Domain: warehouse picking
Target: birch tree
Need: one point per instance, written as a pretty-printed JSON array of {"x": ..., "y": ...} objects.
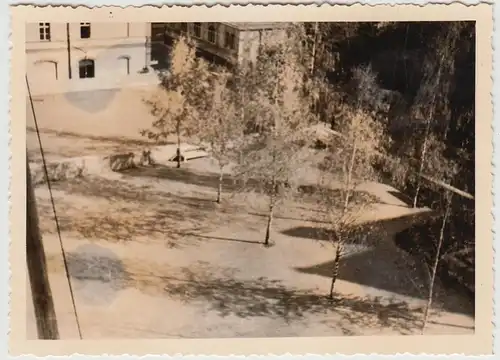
[
  {"x": 352, "y": 156},
  {"x": 281, "y": 113},
  {"x": 432, "y": 100},
  {"x": 444, "y": 169},
  {"x": 181, "y": 97},
  {"x": 223, "y": 124}
]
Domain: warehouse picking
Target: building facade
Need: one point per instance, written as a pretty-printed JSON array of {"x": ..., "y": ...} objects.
[
  {"x": 90, "y": 78},
  {"x": 62, "y": 57},
  {"x": 86, "y": 56},
  {"x": 222, "y": 43}
]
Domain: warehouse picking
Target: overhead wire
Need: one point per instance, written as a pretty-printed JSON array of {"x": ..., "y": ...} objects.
[{"x": 58, "y": 228}]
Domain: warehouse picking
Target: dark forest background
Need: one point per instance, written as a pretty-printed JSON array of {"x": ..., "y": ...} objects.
[{"x": 421, "y": 72}]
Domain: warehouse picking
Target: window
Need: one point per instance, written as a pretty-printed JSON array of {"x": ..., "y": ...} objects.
[
  {"x": 44, "y": 31},
  {"x": 212, "y": 34},
  {"x": 230, "y": 40},
  {"x": 84, "y": 30},
  {"x": 87, "y": 68},
  {"x": 197, "y": 29},
  {"x": 184, "y": 27}
]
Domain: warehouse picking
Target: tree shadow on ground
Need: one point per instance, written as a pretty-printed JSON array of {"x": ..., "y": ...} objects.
[
  {"x": 132, "y": 213},
  {"x": 227, "y": 296},
  {"x": 114, "y": 190},
  {"x": 283, "y": 217},
  {"x": 375, "y": 267},
  {"x": 374, "y": 262},
  {"x": 402, "y": 197},
  {"x": 188, "y": 176},
  {"x": 264, "y": 297},
  {"x": 307, "y": 193},
  {"x": 218, "y": 238},
  {"x": 367, "y": 233}
]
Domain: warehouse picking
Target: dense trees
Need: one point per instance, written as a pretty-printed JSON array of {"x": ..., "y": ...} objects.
[{"x": 398, "y": 94}]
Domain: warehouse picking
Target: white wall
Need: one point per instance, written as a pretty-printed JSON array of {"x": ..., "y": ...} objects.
[
  {"x": 109, "y": 46},
  {"x": 114, "y": 113}
]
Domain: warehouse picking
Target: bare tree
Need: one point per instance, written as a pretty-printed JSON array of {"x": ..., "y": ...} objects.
[
  {"x": 181, "y": 96},
  {"x": 437, "y": 257},
  {"x": 223, "y": 124},
  {"x": 444, "y": 169},
  {"x": 281, "y": 113}
]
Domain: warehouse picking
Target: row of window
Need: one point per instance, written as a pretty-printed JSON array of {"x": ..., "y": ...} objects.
[
  {"x": 86, "y": 67},
  {"x": 44, "y": 29},
  {"x": 212, "y": 33}
]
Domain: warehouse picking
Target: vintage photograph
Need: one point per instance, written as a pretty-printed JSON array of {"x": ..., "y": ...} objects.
[{"x": 200, "y": 180}]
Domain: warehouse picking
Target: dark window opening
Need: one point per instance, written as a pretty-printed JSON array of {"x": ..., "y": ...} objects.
[
  {"x": 184, "y": 27},
  {"x": 212, "y": 34},
  {"x": 44, "y": 31},
  {"x": 84, "y": 30},
  {"x": 230, "y": 40},
  {"x": 87, "y": 68},
  {"x": 158, "y": 31},
  {"x": 197, "y": 29}
]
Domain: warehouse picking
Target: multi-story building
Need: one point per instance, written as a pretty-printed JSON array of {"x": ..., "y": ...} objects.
[
  {"x": 85, "y": 56},
  {"x": 222, "y": 43},
  {"x": 92, "y": 78},
  {"x": 63, "y": 57}
]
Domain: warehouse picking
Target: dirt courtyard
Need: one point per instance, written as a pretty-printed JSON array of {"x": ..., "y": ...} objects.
[{"x": 151, "y": 255}]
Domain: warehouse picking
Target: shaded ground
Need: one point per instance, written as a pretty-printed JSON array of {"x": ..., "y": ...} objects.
[
  {"x": 153, "y": 256},
  {"x": 58, "y": 145}
]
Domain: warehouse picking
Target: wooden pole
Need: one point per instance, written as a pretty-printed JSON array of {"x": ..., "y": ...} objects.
[{"x": 43, "y": 303}]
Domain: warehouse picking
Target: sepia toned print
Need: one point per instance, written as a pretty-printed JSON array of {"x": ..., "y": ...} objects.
[{"x": 289, "y": 179}]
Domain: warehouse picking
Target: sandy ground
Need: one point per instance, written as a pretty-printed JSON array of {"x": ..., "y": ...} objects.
[
  {"x": 152, "y": 256},
  {"x": 112, "y": 113}
]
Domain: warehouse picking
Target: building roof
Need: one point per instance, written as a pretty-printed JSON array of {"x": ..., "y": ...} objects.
[{"x": 249, "y": 26}]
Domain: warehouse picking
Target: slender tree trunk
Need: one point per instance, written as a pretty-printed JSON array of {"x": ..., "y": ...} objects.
[
  {"x": 349, "y": 180},
  {"x": 219, "y": 189},
  {"x": 421, "y": 165},
  {"x": 415, "y": 199},
  {"x": 435, "y": 266},
  {"x": 427, "y": 132},
  {"x": 336, "y": 266},
  {"x": 178, "y": 152},
  {"x": 270, "y": 214},
  {"x": 41, "y": 293},
  {"x": 314, "y": 49}
]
